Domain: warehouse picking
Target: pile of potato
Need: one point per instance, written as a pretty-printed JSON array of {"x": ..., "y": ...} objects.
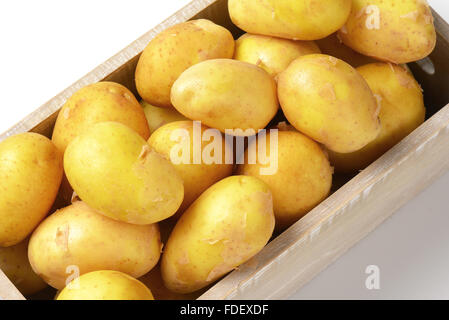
[{"x": 345, "y": 99}]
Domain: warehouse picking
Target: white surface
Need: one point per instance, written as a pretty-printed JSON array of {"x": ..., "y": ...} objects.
[{"x": 48, "y": 44}]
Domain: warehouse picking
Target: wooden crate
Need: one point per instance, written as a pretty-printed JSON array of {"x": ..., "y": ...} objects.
[{"x": 349, "y": 214}]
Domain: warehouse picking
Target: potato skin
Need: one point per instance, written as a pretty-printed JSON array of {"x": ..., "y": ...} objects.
[
  {"x": 116, "y": 172},
  {"x": 174, "y": 50},
  {"x": 98, "y": 102},
  {"x": 243, "y": 92},
  {"x": 106, "y": 285},
  {"x": 402, "y": 111},
  {"x": 14, "y": 263},
  {"x": 30, "y": 175},
  {"x": 303, "y": 178},
  {"x": 157, "y": 117},
  {"x": 80, "y": 236},
  {"x": 196, "y": 177},
  {"x": 226, "y": 226},
  {"x": 405, "y": 32},
  {"x": 270, "y": 53},
  {"x": 290, "y": 19},
  {"x": 329, "y": 101}
]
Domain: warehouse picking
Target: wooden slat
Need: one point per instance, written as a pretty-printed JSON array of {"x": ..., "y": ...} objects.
[{"x": 7, "y": 290}]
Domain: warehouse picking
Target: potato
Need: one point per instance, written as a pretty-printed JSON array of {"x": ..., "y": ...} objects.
[
  {"x": 98, "y": 102},
  {"x": 290, "y": 19},
  {"x": 197, "y": 174},
  {"x": 226, "y": 226},
  {"x": 174, "y": 50},
  {"x": 80, "y": 237},
  {"x": 271, "y": 54},
  {"x": 329, "y": 101},
  {"x": 30, "y": 175},
  {"x": 303, "y": 177},
  {"x": 116, "y": 172},
  {"x": 402, "y": 111},
  {"x": 14, "y": 263},
  {"x": 392, "y": 31},
  {"x": 105, "y": 285},
  {"x": 157, "y": 117},
  {"x": 226, "y": 94}
]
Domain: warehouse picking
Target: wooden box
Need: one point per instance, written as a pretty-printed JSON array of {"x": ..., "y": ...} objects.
[{"x": 349, "y": 214}]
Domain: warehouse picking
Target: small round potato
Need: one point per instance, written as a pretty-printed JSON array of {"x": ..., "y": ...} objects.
[
  {"x": 392, "y": 31},
  {"x": 329, "y": 101},
  {"x": 202, "y": 165},
  {"x": 80, "y": 239},
  {"x": 98, "y": 102},
  {"x": 157, "y": 117},
  {"x": 14, "y": 263},
  {"x": 174, "y": 50},
  {"x": 271, "y": 54},
  {"x": 226, "y": 226},
  {"x": 116, "y": 172},
  {"x": 30, "y": 176},
  {"x": 226, "y": 94},
  {"x": 401, "y": 111},
  {"x": 290, "y": 19},
  {"x": 105, "y": 285}
]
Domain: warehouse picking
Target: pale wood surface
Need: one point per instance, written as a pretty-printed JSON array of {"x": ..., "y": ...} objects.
[{"x": 7, "y": 289}]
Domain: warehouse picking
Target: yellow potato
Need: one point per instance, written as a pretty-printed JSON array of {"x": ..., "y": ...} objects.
[
  {"x": 98, "y": 102},
  {"x": 329, "y": 101},
  {"x": 303, "y": 177},
  {"x": 226, "y": 94},
  {"x": 14, "y": 263},
  {"x": 174, "y": 50},
  {"x": 30, "y": 175},
  {"x": 157, "y": 117},
  {"x": 226, "y": 226},
  {"x": 78, "y": 238},
  {"x": 393, "y": 31},
  {"x": 105, "y": 285},
  {"x": 116, "y": 172},
  {"x": 200, "y": 168},
  {"x": 402, "y": 111},
  {"x": 271, "y": 54},
  {"x": 290, "y": 19}
]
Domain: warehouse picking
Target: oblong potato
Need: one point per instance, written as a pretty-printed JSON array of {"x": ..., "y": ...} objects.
[
  {"x": 30, "y": 175},
  {"x": 392, "y": 31},
  {"x": 98, "y": 102},
  {"x": 116, "y": 172},
  {"x": 174, "y": 50},
  {"x": 105, "y": 285},
  {"x": 226, "y": 94},
  {"x": 290, "y": 19},
  {"x": 329, "y": 101},
  {"x": 270, "y": 53},
  {"x": 78, "y": 238},
  {"x": 157, "y": 117},
  {"x": 226, "y": 226},
  {"x": 402, "y": 111}
]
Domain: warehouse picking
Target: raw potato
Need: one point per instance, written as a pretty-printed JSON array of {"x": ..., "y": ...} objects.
[
  {"x": 14, "y": 263},
  {"x": 98, "y": 102},
  {"x": 173, "y": 51},
  {"x": 194, "y": 170},
  {"x": 392, "y": 31},
  {"x": 80, "y": 237},
  {"x": 329, "y": 101},
  {"x": 116, "y": 172},
  {"x": 226, "y": 226},
  {"x": 157, "y": 117},
  {"x": 105, "y": 285},
  {"x": 402, "y": 111},
  {"x": 303, "y": 177},
  {"x": 271, "y": 54},
  {"x": 290, "y": 19},
  {"x": 226, "y": 94},
  {"x": 30, "y": 175}
]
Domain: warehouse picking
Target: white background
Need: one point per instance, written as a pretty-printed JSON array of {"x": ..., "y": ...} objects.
[{"x": 47, "y": 45}]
